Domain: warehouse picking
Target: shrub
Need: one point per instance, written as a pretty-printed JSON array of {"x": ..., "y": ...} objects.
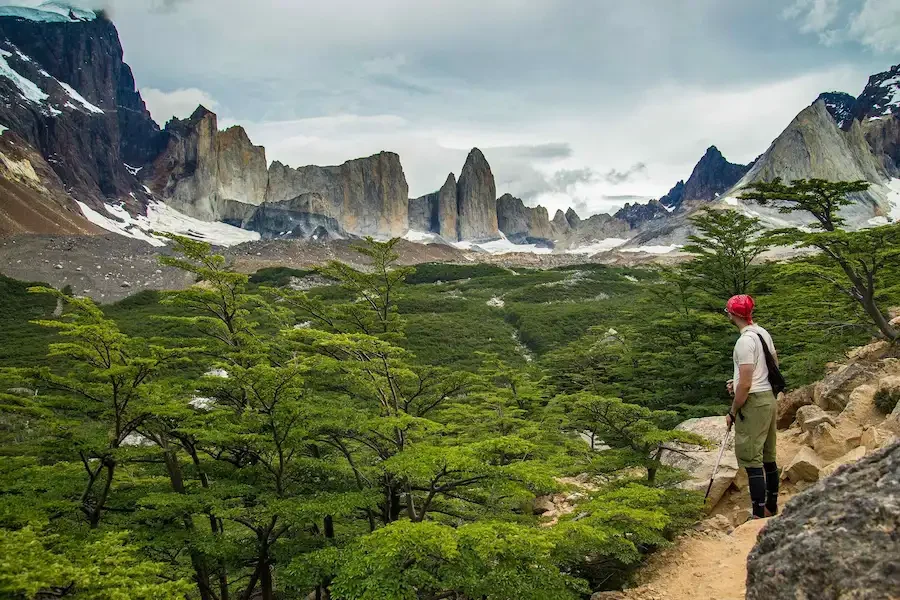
[{"x": 886, "y": 399}]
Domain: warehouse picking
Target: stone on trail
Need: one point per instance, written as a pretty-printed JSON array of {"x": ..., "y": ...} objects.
[
  {"x": 808, "y": 417},
  {"x": 791, "y": 402},
  {"x": 828, "y": 442},
  {"x": 806, "y": 466},
  {"x": 837, "y": 540},
  {"x": 849, "y": 458}
]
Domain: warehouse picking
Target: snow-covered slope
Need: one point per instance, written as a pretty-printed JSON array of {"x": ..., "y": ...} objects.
[
  {"x": 163, "y": 218},
  {"x": 48, "y": 12}
]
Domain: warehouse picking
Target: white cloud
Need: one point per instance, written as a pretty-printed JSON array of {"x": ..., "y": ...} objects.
[
  {"x": 873, "y": 23},
  {"x": 815, "y": 15},
  {"x": 877, "y": 25},
  {"x": 178, "y": 103}
]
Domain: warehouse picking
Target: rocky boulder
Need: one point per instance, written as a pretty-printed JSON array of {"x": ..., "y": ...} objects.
[
  {"x": 638, "y": 214},
  {"x": 809, "y": 417},
  {"x": 833, "y": 392},
  {"x": 674, "y": 197},
  {"x": 476, "y": 197},
  {"x": 241, "y": 170},
  {"x": 805, "y": 466},
  {"x": 791, "y": 402},
  {"x": 699, "y": 461},
  {"x": 837, "y": 540}
]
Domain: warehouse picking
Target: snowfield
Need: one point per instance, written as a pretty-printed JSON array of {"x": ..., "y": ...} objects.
[
  {"x": 894, "y": 199},
  {"x": 597, "y": 247},
  {"x": 164, "y": 218},
  {"x": 502, "y": 246}
]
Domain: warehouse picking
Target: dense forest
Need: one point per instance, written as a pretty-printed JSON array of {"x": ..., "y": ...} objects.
[{"x": 386, "y": 433}]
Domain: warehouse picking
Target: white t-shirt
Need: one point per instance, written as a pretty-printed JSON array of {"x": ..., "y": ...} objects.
[{"x": 748, "y": 351}]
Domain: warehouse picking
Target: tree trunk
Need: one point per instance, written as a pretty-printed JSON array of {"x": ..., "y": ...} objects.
[
  {"x": 97, "y": 511},
  {"x": 198, "y": 560},
  {"x": 868, "y": 304},
  {"x": 265, "y": 581}
]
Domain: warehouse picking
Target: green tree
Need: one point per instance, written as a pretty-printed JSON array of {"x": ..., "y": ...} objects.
[
  {"x": 821, "y": 198},
  {"x": 860, "y": 256},
  {"x": 726, "y": 250}
]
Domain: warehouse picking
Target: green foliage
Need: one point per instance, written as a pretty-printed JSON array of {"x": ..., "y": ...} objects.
[
  {"x": 886, "y": 399},
  {"x": 434, "y": 272},
  {"x": 277, "y": 276},
  {"x": 821, "y": 198},
  {"x": 35, "y": 564},
  {"x": 725, "y": 253},
  {"x": 372, "y": 439}
]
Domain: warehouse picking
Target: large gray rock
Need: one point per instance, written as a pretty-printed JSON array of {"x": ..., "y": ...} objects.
[
  {"x": 808, "y": 417},
  {"x": 813, "y": 146},
  {"x": 367, "y": 196},
  {"x": 184, "y": 174},
  {"x": 202, "y": 170},
  {"x": 242, "y": 171},
  {"x": 835, "y": 541},
  {"x": 699, "y": 461},
  {"x": 423, "y": 213},
  {"x": 476, "y": 197},
  {"x": 712, "y": 176},
  {"x": 303, "y": 217},
  {"x": 448, "y": 209},
  {"x": 524, "y": 224}
]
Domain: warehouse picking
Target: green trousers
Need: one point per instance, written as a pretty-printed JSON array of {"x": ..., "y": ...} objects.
[{"x": 754, "y": 435}]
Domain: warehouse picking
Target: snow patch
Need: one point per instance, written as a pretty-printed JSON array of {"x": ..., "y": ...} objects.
[
  {"x": 79, "y": 98},
  {"x": 427, "y": 237},
  {"x": 3, "y": 129},
  {"x": 132, "y": 170},
  {"x": 653, "y": 249},
  {"x": 161, "y": 217},
  {"x": 894, "y": 199},
  {"x": 601, "y": 246},
  {"x": 27, "y": 88},
  {"x": 502, "y": 246},
  {"x": 146, "y": 189}
]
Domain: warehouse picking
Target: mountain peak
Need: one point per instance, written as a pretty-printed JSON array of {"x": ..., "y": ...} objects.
[
  {"x": 840, "y": 105},
  {"x": 881, "y": 98}
]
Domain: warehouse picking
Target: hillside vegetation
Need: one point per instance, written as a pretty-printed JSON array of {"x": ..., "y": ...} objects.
[{"x": 388, "y": 433}]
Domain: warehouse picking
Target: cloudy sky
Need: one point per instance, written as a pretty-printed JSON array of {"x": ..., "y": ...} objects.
[{"x": 589, "y": 103}]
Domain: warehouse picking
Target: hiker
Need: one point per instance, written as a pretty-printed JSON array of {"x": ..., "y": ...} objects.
[{"x": 753, "y": 409}]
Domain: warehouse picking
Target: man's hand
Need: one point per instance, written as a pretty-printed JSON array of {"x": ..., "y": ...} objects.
[
  {"x": 729, "y": 385},
  {"x": 729, "y": 421}
]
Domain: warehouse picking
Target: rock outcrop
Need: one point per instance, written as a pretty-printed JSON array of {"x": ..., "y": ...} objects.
[
  {"x": 68, "y": 94},
  {"x": 812, "y": 146},
  {"x": 476, "y": 197},
  {"x": 838, "y": 539},
  {"x": 367, "y": 196},
  {"x": 241, "y": 168},
  {"x": 712, "y": 176},
  {"x": 436, "y": 212},
  {"x": 523, "y": 224},
  {"x": 674, "y": 196},
  {"x": 638, "y": 214},
  {"x": 840, "y": 105},
  {"x": 877, "y": 110}
]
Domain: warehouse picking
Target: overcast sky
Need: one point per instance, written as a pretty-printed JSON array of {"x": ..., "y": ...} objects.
[{"x": 589, "y": 103}]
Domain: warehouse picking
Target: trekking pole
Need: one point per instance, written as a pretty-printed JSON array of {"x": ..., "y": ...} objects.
[{"x": 718, "y": 460}]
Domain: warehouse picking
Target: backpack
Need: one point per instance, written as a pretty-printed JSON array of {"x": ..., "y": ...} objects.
[{"x": 776, "y": 379}]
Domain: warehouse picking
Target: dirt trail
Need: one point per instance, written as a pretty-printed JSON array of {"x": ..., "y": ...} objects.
[
  {"x": 701, "y": 566},
  {"x": 710, "y": 562}
]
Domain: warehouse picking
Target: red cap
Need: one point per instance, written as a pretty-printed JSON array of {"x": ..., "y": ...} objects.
[{"x": 741, "y": 306}]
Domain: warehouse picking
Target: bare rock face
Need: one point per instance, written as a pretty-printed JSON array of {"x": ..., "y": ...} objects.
[
  {"x": 712, "y": 176},
  {"x": 813, "y": 146},
  {"x": 242, "y": 170},
  {"x": 76, "y": 104},
  {"x": 423, "y": 215},
  {"x": 448, "y": 209},
  {"x": 185, "y": 174},
  {"x": 303, "y": 217},
  {"x": 838, "y": 539},
  {"x": 523, "y": 224},
  {"x": 367, "y": 196},
  {"x": 476, "y": 197}
]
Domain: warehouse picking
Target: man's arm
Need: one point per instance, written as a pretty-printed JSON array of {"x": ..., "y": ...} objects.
[{"x": 742, "y": 389}]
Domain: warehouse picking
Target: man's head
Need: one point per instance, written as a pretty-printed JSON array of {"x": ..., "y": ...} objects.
[{"x": 740, "y": 310}]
